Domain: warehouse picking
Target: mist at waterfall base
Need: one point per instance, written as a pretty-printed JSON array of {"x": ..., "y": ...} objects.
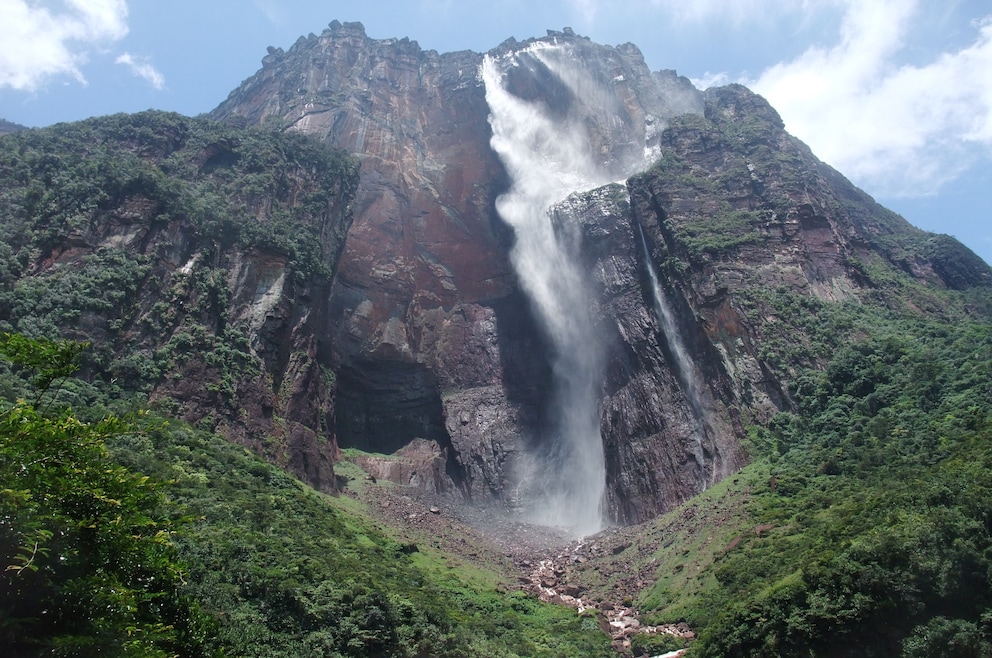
[{"x": 547, "y": 155}]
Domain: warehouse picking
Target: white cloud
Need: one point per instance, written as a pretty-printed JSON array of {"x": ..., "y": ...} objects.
[
  {"x": 878, "y": 96},
  {"x": 37, "y": 42},
  {"x": 701, "y": 11},
  {"x": 710, "y": 80},
  {"x": 902, "y": 129},
  {"x": 142, "y": 69},
  {"x": 274, "y": 12}
]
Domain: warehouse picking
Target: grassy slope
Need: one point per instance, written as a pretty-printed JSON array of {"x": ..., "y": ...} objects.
[
  {"x": 284, "y": 569},
  {"x": 862, "y": 528}
]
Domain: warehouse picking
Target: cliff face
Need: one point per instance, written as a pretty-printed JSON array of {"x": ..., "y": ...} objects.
[
  {"x": 429, "y": 330},
  {"x": 196, "y": 260},
  {"x": 259, "y": 281},
  {"x": 412, "y": 322},
  {"x": 738, "y": 211},
  {"x": 431, "y": 336}
]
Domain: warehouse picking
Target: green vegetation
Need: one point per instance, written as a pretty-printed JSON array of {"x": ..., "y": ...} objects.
[
  {"x": 123, "y": 231},
  {"x": 862, "y": 527},
  {"x": 874, "y": 500},
  {"x": 717, "y": 232},
  {"x": 258, "y": 565},
  {"x": 286, "y": 571},
  {"x": 88, "y": 565},
  {"x": 883, "y": 537},
  {"x": 252, "y": 187}
]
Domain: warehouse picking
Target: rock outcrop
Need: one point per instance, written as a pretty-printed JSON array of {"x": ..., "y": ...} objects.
[{"x": 196, "y": 259}]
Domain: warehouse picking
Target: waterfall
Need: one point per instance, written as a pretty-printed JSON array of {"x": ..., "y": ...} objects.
[
  {"x": 684, "y": 368},
  {"x": 563, "y": 476},
  {"x": 673, "y": 337}
]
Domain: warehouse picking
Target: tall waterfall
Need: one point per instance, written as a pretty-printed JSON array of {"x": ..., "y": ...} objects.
[{"x": 563, "y": 477}]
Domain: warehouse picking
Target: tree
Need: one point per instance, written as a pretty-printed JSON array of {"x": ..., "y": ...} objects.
[{"x": 88, "y": 566}]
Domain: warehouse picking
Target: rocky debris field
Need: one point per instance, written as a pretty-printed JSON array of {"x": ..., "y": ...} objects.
[
  {"x": 539, "y": 560},
  {"x": 548, "y": 579}
]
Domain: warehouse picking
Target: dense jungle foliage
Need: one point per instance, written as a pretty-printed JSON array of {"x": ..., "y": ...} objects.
[
  {"x": 145, "y": 537},
  {"x": 870, "y": 531},
  {"x": 89, "y": 567},
  {"x": 123, "y": 231},
  {"x": 880, "y": 509}
]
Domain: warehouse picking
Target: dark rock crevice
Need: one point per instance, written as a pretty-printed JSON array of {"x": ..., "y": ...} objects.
[{"x": 382, "y": 406}]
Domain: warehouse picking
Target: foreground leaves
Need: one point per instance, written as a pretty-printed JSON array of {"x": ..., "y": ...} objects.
[{"x": 88, "y": 563}]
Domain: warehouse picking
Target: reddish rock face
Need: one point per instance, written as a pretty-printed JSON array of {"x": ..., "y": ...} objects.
[
  {"x": 413, "y": 322},
  {"x": 424, "y": 221},
  {"x": 427, "y": 330},
  {"x": 437, "y": 355}
]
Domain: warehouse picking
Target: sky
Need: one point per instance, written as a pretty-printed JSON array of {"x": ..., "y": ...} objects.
[{"x": 895, "y": 94}]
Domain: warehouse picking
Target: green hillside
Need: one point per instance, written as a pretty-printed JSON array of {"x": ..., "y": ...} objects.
[
  {"x": 136, "y": 517},
  {"x": 248, "y": 561},
  {"x": 863, "y": 525}
]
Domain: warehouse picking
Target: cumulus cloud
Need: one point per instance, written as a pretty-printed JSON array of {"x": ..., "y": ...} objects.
[
  {"x": 898, "y": 116},
  {"x": 904, "y": 129},
  {"x": 143, "y": 69},
  {"x": 38, "y": 42}
]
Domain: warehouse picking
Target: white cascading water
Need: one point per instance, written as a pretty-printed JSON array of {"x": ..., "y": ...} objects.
[
  {"x": 673, "y": 337},
  {"x": 684, "y": 368},
  {"x": 562, "y": 480}
]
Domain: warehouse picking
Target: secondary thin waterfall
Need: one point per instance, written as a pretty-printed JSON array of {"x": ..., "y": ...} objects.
[
  {"x": 673, "y": 337},
  {"x": 684, "y": 368},
  {"x": 547, "y": 158}
]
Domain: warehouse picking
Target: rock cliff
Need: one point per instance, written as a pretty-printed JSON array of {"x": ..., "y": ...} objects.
[
  {"x": 264, "y": 285},
  {"x": 430, "y": 333},
  {"x": 195, "y": 258}
]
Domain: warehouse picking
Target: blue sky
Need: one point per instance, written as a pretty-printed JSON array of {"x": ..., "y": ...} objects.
[{"x": 897, "y": 94}]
